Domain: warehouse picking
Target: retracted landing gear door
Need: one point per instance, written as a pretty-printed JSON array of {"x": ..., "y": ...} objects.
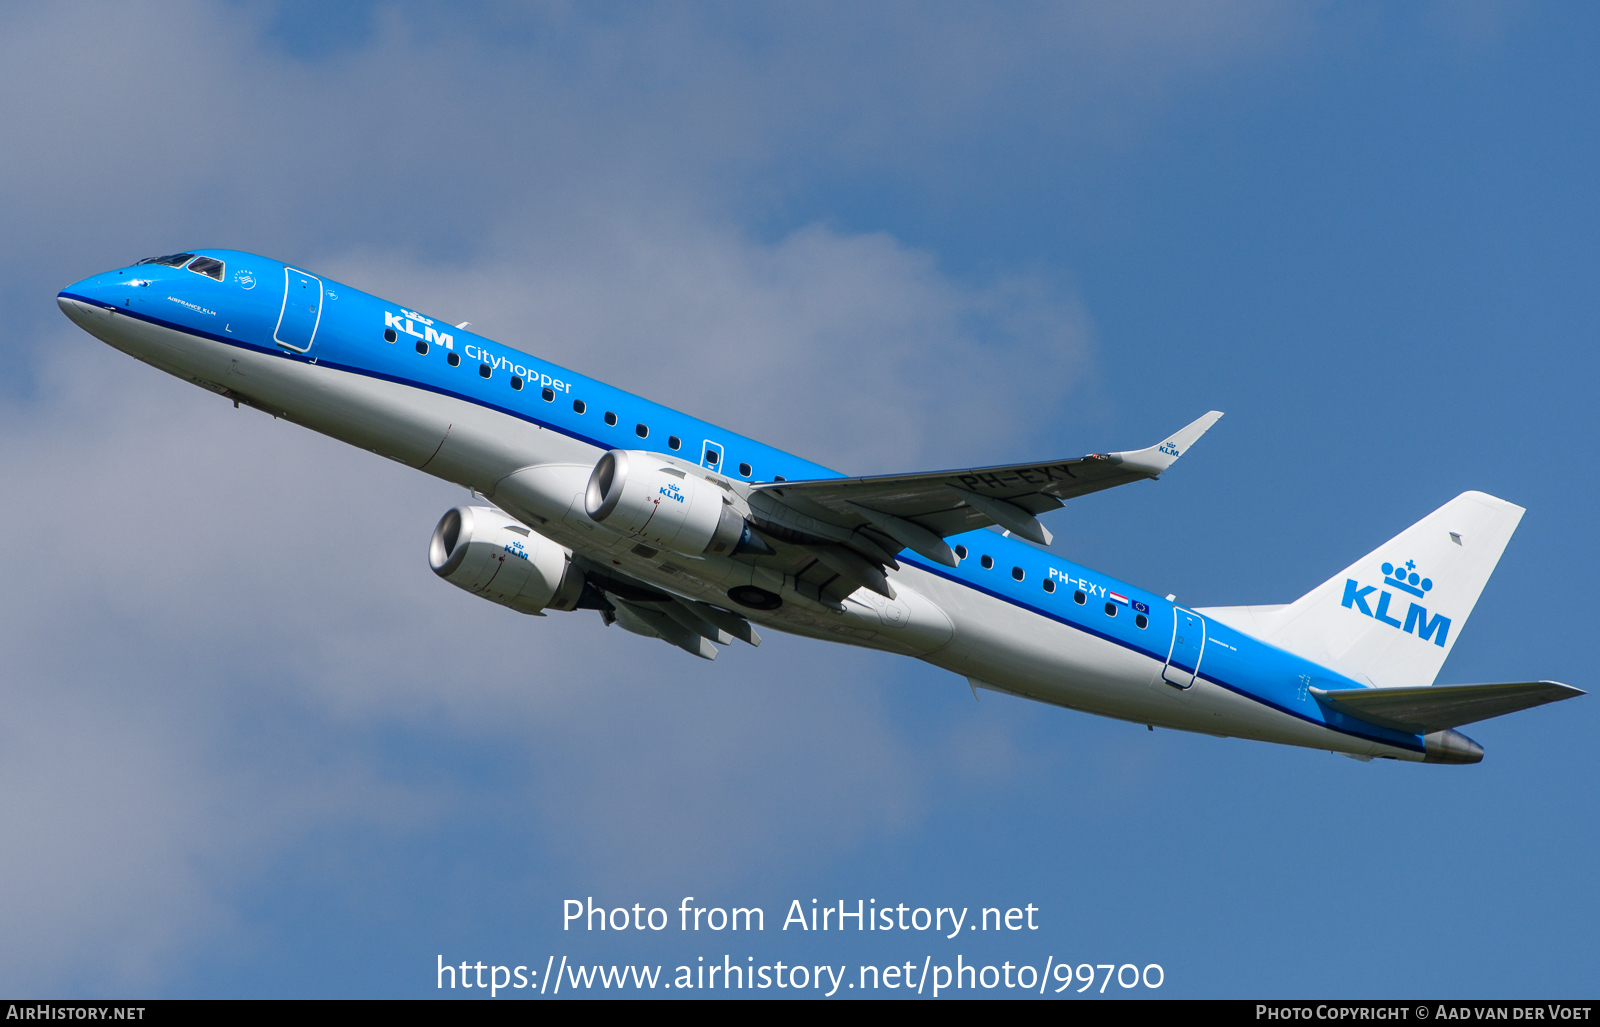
[
  {"x": 302, "y": 310},
  {"x": 1188, "y": 646}
]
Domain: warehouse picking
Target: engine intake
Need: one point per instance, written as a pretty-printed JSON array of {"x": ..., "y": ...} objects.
[
  {"x": 632, "y": 493},
  {"x": 487, "y": 553}
]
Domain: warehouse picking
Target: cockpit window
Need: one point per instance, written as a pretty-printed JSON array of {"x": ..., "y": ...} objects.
[
  {"x": 208, "y": 266},
  {"x": 170, "y": 260}
]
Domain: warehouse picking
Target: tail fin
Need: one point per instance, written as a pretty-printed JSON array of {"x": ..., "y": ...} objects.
[{"x": 1391, "y": 617}]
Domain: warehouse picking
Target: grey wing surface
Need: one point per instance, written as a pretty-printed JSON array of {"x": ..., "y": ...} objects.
[{"x": 918, "y": 511}]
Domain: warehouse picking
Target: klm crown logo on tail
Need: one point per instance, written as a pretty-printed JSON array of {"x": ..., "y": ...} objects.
[
  {"x": 1398, "y": 576},
  {"x": 1404, "y": 577}
]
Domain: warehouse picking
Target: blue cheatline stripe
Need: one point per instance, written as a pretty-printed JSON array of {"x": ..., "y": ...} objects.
[
  {"x": 944, "y": 572},
  {"x": 364, "y": 372},
  {"x": 929, "y": 568}
]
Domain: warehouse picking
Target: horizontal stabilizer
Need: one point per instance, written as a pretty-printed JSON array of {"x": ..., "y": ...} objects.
[{"x": 1428, "y": 708}]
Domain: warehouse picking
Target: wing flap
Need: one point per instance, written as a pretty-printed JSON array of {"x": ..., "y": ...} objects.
[{"x": 1427, "y": 708}]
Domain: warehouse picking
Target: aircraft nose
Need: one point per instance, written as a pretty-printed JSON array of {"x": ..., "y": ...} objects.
[
  {"x": 85, "y": 302},
  {"x": 92, "y": 299}
]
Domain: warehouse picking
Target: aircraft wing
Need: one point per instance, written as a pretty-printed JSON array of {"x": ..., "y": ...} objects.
[
  {"x": 1426, "y": 708},
  {"x": 917, "y": 511}
]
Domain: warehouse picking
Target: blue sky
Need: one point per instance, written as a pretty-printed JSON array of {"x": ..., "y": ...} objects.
[{"x": 253, "y": 747}]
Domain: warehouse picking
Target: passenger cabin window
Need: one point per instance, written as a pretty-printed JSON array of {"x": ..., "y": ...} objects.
[
  {"x": 208, "y": 266},
  {"x": 579, "y": 406},
  {"x": 961, "y": 551},
  {"x": 422, "y": 347},
  {"x": 1016, "y": 572},
  {"x": 1049, "y": 585},
  {"x": 673, "y": 442},
  {"x": 1142, "y": 621},
  {"x": 549, "y": 395},
  {"x": 611, "y": 418},
  {"x": 986, "y": 561},
  {"x": 516, "y": 382},
  {"x": 484, "y": 370},
  {"x": 1079, "y": 598},
  {"x": 746, "y": 470},
  {"x": 454, "y": 360},
  {"x": 1111, "y": 609},
  {"x": 712, "y": 456},
  {"x": 389, "y": 335},
  {"x": 642, "y": 430}
]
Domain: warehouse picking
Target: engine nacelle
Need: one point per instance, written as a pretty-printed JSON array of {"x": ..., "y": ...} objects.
[
  {"x": 639, "y": 495},
  {"x": 485, "y": 552}
]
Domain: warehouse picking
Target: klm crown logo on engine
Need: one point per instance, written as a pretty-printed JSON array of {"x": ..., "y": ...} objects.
[
  {"x": 672, "y": 492},
  {"x": 1403, "y": 576}
]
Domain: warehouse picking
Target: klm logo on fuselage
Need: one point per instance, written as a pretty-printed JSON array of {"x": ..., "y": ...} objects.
[
  {"x": 407, "y": 321},
  {"x": 1405, "y": 578}
]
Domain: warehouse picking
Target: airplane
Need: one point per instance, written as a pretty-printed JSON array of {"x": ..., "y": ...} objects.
[{"x": 676, "y": 529}]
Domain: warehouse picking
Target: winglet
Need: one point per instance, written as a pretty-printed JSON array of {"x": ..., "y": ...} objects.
[{"x": 1160, "y": 457}]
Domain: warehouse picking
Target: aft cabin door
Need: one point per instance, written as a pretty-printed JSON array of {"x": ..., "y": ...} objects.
[
  {"x": 302, "y": 310},
  {"x": 1188, "y": 645}
]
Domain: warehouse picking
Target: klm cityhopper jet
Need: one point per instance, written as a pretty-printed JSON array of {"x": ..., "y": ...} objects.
[{"x": 676, "y": 529}]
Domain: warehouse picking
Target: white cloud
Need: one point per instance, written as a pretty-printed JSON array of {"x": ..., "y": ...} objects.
[
  {"x": 850, "y": 349},
  {"x": 139, "y": 126},
  {"x": 213, "y": 619}
]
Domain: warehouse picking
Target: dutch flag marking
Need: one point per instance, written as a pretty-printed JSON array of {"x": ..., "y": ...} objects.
[{"x": 1115, "y": 598}]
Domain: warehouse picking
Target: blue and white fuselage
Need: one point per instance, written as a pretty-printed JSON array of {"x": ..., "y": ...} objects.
[{"x": 530, "y": 436}]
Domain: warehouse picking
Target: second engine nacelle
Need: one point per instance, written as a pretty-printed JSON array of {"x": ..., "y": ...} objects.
[
  {"x": 632, "y": 492},
  {"x": 485, "y": 552}
]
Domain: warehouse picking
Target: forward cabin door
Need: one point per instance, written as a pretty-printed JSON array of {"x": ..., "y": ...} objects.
[
  {"x": 1188, "y": 646},
  {"x": 302, "y": 310}
]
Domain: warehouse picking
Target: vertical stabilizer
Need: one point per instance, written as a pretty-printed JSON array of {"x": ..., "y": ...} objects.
[{"x": 1392, "y": 616}]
